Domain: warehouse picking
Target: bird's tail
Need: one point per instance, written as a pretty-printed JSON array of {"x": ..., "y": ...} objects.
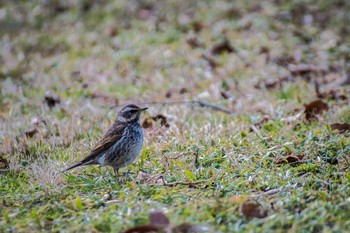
[
  {"x": 74, "y": 166},
  {"x": 67, "y": 169}
]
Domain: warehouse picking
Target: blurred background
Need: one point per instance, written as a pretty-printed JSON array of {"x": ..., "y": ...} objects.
[{"x": 277, "y": 70}]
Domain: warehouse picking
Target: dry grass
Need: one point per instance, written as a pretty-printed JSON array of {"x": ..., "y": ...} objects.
[{"x": 95, "y": 55}]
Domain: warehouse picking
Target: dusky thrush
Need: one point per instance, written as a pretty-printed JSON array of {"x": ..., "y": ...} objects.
[{"x": 122, "y": 143}]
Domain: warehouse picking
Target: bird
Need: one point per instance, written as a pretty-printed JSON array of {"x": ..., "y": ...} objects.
[{"x": 122, "y": 143}]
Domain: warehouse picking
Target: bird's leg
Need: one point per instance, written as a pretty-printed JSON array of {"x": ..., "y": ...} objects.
[{"x": 116, "y": 171}]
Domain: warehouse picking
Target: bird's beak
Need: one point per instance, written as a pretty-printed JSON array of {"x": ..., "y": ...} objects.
[{"x": 143, "y": 109}]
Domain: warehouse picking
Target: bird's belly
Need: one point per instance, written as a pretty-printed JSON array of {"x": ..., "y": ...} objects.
[{"x": 125, "y": 151}]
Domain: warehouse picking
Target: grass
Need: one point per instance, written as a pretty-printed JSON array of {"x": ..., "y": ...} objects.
[{"x": 94, "y": 55}]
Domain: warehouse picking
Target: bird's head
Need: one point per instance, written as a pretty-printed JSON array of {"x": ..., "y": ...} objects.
[{"x": 130, "y": 113}]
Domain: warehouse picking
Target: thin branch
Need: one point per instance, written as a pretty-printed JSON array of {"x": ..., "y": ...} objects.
[
  {"x": 165, "y": 183},
  {"x": 268, "y": 193},
  {"x": 198, "y": 103}
]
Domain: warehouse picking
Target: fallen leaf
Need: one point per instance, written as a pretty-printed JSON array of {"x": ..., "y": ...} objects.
[
  {"x": 194, "y": 42},
  {"x": 37, "y": 120},
  {"x": 147, "y": 123},
  {"x": 168, "y": 94},
  {"x": 222, "y": 47},
  {"x": 163, "y": 120},
  {"x": 183, "y": 90},
  {"x": 197, "y": 26},
  {"x": 4, "y": 164},
  {"x": 259, "y": 124},
  {"x": 315, "y": 108},
  {"x": 145, "y": 178},
  {"x": 112, "y": 31},
  {"x": 31, "y": 132},
  {"x": 226, "y": 94},
  {"x": 332, "y": 94},
  {"x": 252, "y": 209},
  {"x": 292, "y": 118},
  {"x": 233, "y": 12},
  {"x": 211, "y": 61},
  {"x": 273, "y": 82},
  {"x": 264, "y": 50},
  {"x": 289, "y": 159},
  {"x": 284, "y": 60},
  {"x": 51, "y": 100},
  {"x": 302, "y": 69},
  {"x": 107, "y": 196},
  {"x": 340, "y": 127}
]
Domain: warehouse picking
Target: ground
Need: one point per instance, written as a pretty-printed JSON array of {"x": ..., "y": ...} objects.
[{"x": 272, "y": 161}]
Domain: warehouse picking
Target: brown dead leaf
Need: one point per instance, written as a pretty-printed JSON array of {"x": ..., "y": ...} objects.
[
  {"x": 331, "y": 95},
  {"x": 226, "y": 95},
  {"x": 284, "y": 61},
  {"x": 233, "y": 12},
  {"x": 302, "y": 69},
  {"x": 315, "y": 108},
  {"x": 272, "y": 83},
  {"x": 194, "y": 42},
  {"x": 197, "y": 26},
  {"x": 264, "y": 50},
  {"x": 31, "y": 132},
  {"x": 37, "y": 120},
  {"x": 147, "y": 123},
  {"x": 211, "y": 61},
  {"x": 252, "y": 209},
  {"x": 163, "y": 120},
  {"x": 168, "y": 94},
  {"x": 112, "y": 31},
  {"x": 289, "y": 159},
  {"x": 51, "y": 100},
  {"x": 223, "y": 46},
  {"x": 175, "y": 91},
  {"x": 259, "y": 124},
  {"x": 292, "y": 118},
  {"x": 183, "y": 90},
  {"x": 340, "y": 127},
  {"x": 4, "y": 164},
  {"x": 145, "y": 178}
]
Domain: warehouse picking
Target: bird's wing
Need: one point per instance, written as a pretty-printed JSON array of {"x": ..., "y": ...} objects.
[{"x": 113, "y": 135}]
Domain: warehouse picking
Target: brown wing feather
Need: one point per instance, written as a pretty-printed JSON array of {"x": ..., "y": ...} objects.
[{"x": 114, "y": 133}]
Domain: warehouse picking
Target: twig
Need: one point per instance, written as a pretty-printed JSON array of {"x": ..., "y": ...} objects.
[
  {"x": 268, "y": 193},
  {"x": 183, "y": 183},
  {"x": 190, "y": 102}
]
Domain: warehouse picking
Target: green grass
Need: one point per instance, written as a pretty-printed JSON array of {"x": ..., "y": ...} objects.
[{"x": 92, "y": 55}]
